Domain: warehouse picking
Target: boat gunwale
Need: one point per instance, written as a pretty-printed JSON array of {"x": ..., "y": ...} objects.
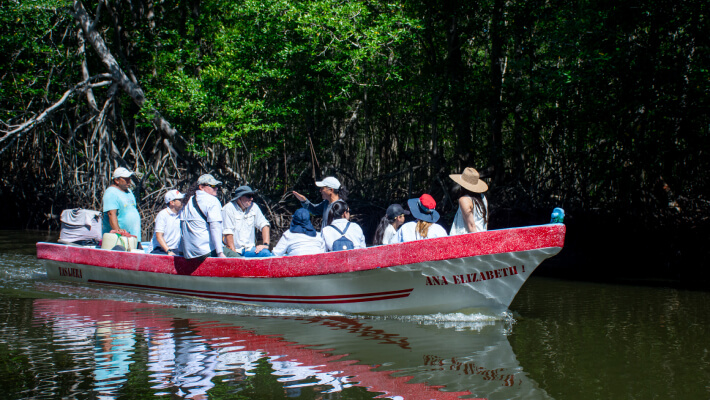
[{"x": 427, "y": 250}]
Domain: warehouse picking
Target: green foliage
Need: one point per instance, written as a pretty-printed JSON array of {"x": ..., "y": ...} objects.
[
  {"x": 585, "y": 104},
  {"x": 34, "y": 59}
]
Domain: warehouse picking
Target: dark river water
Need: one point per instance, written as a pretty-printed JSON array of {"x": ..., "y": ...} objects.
[{"x": 561, "y": 340}]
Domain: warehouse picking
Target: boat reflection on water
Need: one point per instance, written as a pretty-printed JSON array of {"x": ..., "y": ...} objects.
[{"x": 190, "y": 354}]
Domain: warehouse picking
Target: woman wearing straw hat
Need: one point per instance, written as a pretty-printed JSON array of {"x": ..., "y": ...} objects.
[
  {"x": 472, "y": 215},
  {"x": 423, "y": 209}
]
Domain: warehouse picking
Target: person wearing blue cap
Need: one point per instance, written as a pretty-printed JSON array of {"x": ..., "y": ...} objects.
[
  {"x": 301, "y": 238},
  {"x": 241, "y": 218},
  {"x": 386, "y": 232}
]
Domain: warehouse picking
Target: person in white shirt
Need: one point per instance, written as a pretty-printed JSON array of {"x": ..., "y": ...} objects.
[
  {"x": 472, "y": 214},
  {"x": 301, "y": 238},
  {"x": 425, "y": 227},
  {"x": 339, "y": 217},
  {"x": 330, "y": 191},
  {"x": 386, "y": 232},
  {"x": 166, "y": 235},
  {"x": 201, "y": 220},
  {"x": 241, "y": 217}
]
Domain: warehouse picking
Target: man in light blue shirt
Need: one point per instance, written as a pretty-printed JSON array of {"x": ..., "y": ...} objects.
[{"x": 119, "y": 205}]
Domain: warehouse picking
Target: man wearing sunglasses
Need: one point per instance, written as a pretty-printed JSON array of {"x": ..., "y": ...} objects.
[
  {"x": 241, "y": 220},
  {"x": 201, "y": 220}
]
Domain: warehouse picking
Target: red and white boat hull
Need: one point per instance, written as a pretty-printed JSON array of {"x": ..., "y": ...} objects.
[{"x": 481, "y": 271}]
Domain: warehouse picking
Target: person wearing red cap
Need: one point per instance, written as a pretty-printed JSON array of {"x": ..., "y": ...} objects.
[{"x": 425, "y": 227}]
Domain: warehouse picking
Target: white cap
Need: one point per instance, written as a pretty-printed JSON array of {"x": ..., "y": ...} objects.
[
  {"x": 121, "y": 172},
  {"x": 208, "y": 179},
  {"x": 173, "y": 195},
  {"x": 330, "y": 182}
]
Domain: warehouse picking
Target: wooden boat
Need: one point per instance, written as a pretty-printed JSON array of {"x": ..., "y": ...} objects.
[{"x": 480, "y": 272}]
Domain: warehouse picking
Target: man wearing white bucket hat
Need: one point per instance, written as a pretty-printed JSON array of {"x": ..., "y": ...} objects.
[
  {"x": 119, "y": 205},
  {"x": 166, "y": 236}
]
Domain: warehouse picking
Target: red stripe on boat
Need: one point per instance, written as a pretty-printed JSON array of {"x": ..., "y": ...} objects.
[{"x": 345, "y": 298}]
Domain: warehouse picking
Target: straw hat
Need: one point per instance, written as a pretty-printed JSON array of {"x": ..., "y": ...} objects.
[{"x": 470, "y": 180}]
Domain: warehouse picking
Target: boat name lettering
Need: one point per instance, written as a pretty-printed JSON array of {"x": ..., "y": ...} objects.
[
  {"x": 474, "y": 277},
  {"x": 73, "y": 272}
]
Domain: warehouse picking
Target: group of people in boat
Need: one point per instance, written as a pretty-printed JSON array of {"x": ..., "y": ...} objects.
[{"x": 196, "y": 225}]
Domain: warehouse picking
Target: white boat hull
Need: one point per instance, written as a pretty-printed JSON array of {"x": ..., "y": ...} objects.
[{"x": 485, "y": 282}]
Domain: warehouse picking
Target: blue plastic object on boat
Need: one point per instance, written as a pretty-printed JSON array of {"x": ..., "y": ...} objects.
[{"x": 558, "y": 216}]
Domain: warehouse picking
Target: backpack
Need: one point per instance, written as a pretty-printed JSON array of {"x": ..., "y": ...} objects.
[{"x": 343, "y": 243}]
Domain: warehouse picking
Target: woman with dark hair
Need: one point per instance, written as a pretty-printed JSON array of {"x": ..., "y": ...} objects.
[
  {"x": 472, "y": 214},
  {"x": 331, "y": 191},
  {"x": 340, "y": 233},
  {"x": 425, "y": 227},
  {"x": 386, "y": 232},
  {"x": 301, "y": 238}
]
